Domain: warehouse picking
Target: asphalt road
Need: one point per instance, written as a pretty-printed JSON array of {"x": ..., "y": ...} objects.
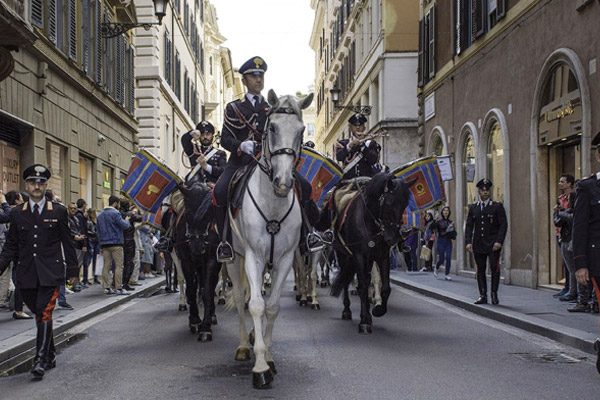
[{"x": 422, "y": 349}]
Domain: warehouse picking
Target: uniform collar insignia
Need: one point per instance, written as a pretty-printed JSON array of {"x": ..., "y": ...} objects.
[
  {"x": 25, "y": 206},
  {"x": 49, "y": 206}
]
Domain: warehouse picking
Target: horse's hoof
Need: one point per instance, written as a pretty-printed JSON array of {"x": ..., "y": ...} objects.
[
  {"x": 347, "y": 316},
  {"x": 272, "y": 367},
  {"x": 316, "y": 307},
  {"x": 213, "y": 320},
  {"x": 354, "y": 292},
  {"x": 365, "y": 329},
  {"x": 182, "y": 307},
  {"x": 303, "y": 303},
  {"x": 298, "y": 297},
  {"x": 262, "y": 380},
  {"x": 242, "y": 354},
  {"x": 251, "y": 337},
  {"x": 309, "y": 299},
  {"x": 379, "y": 311},
  {"x": 205, "y": 337},
  {"x": 194, "y": 328},
  {"x": 221, "y": 302}
]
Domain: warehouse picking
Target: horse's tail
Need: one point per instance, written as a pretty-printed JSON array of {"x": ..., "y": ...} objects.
[
  {"x": 342, "y": 279},
  {"x": 230, "y": 303}
]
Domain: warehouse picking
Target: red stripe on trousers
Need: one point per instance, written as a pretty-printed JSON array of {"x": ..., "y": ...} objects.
[{"x": 47, "y": 315}]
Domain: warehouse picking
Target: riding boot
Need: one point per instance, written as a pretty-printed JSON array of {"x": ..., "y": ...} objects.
[
  {"x": 43, "y": 343},
  {"x": 224, "y": 250},
  {"x": 310, "y": 239}
]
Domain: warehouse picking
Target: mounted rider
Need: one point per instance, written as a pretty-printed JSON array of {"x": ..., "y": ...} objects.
[
  {"x": 243, "y": 127},
  {"x": 359, "y": 154},
  {"x": 198, "y": 148}
]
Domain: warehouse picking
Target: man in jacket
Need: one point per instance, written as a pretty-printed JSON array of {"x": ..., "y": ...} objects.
[
  {"x": 359, "y": 155},
  {"x": 110, "y": 227},
  {"x": 129, "y": 247},
  {"x": 198, "y": 147},
  {"x": 484, "y": 235},
  {"x": 40, "y": 245}
]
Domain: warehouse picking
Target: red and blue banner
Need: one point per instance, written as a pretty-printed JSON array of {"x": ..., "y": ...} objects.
[
  {"x": 148, "y": 182},
  {"x": 154, "y": 220},
  {"x": 427, "y": 192},
  {"x": 322, "y": 173}
]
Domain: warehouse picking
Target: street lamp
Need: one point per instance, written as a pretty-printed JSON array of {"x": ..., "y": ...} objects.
[
  {"x": 112, "y": 29},
  {"x": 335, "y": 98}
]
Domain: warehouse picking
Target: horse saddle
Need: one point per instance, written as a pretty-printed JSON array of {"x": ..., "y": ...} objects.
[
  {"x": 237, "y": 187},
  {"x": 347, "y": 190}
]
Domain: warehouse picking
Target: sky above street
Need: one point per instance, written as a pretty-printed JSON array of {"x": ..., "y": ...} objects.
[{"x": 276, "y": 30}]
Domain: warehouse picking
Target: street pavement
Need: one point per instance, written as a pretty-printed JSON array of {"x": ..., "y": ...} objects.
[{"x": 422, "y": 349}]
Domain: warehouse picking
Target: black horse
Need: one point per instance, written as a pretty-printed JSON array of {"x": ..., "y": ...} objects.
[
  {"x": 365, "y": 232},
  {"x": 195, "y": 242}
]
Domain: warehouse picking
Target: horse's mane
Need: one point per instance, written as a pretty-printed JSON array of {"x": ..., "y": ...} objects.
[{"x": 375, "y": 187}]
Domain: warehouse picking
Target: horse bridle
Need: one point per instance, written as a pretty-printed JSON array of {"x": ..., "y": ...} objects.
[{"x": 394, "y": 226}]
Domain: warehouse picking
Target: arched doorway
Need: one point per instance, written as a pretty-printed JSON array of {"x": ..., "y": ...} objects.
[{"x": 560, "y": 136}]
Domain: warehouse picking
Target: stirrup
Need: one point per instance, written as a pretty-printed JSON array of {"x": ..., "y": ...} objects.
[
  {"x": 225, "y": 253},
  {"x": 327, "y": 236},
  {"x": 314, "y": 243}
]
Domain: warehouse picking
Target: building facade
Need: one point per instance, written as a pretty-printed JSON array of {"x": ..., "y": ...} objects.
[
  {"x": 68, "y": 102},
  {"x": 509, "y": 89},
  {"x": 367, "y": 49}
]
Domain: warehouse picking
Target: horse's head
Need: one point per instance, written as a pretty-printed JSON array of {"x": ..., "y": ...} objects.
[
  {"x": 283, "y": 138},
  {"x": 389, "y": 195}
]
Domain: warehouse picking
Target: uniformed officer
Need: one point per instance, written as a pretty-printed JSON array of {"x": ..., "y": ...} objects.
[
  {"x": 244, "y": 123},
  {"x": 586, "y": 233},
  {"x": 484, "y": 235},
  {"x": 198, "y": 147},
  {"x": 37, "y": 239},
  {"x": 359, "y": 155}
]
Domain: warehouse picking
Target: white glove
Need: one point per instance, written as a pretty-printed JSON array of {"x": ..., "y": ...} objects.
[{"x": 247, "y": 147}]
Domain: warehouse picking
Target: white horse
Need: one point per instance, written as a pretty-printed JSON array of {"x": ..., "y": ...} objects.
[
  {"x": 306, "y": 278},
  {"x": 266, "y": 231}
]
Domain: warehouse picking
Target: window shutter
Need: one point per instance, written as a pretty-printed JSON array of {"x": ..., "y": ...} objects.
[
  {"x": 478, "y": 17},
  {"x": 72, "y": 29},
  {"x": 51, "y": 21},
  {"x": 421, "y": 45},
  {"x": 166, "y": 65},
  {"x": 122, "y": 65},
  {"x": 37, "y": 13},
  {"x": 432, "y": 42},
  {"x": 131, "y": 105},
  {"x": 108, "y": 57},
  {"x": 85, "y": 29},
  {"x": 500, "y": 9},
  {"x": 177, "y": 76},
  {"x": 117, "y": 68},
  {"x": 98, "y": 41},
  {"x": 202, "y": 58}
]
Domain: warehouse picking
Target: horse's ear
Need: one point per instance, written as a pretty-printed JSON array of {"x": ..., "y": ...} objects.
[
  {"x": 390, "y": 183},
  {"x": 273, "y": 99},
  {"x": 305, "y": 102}
]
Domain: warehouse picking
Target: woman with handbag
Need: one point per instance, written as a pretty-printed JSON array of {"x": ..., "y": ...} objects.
[
  {"x": 427, "y": 241},
  {"x": 445, "y": 233}
]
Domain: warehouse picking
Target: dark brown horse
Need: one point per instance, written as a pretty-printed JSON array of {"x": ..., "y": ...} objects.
[{"x": 366, "y": 230}]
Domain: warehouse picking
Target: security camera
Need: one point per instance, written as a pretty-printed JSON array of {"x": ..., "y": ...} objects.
[{"x": 101, "y": 139}]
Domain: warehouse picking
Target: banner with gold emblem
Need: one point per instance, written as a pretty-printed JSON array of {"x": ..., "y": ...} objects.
[
  {"x": 322, "y": 173},
  {"x": 428, "y": 191},
  {"x": 148, "y": 182}
]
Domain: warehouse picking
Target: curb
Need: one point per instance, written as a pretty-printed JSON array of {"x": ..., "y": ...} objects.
[
  {"x": 578, "y": 339},
  {"x": 22, "y": 342}
]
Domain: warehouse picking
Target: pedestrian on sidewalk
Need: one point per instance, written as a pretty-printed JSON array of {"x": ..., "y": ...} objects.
[
  {"x": 566, "y": 186},
  {"x": 484, "y": 235},
  {"x": 94, "y": 249},
  {"x": 40, "y": 240},
  {"x": 129, "y": 248},
  {"x": 110, "y": 237},
  {"x": 445, "y": 233},
  {"x": 586, "y": 233},
  {"x": 428, "y": 239}
]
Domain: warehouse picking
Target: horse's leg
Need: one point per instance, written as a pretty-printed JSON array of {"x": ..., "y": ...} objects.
[
  {"x": 314, "y": 265},
  {"x": 256, "y": 306},
  {"x": 303, "y": 278},
  {"x": 233, "y": 270},
  {"x": 209, "y": 275},
  {"x": 224, "y": 278},
  {"x": 180, "y": 280},
  {"x": 364, "y": 281},
  {"x": 191, "y": 292},
  {"x": 346, "y": 313},
  {"x": 297, "y": 271},
  {"x": 272, "y": 307},
  {"x": 376, "y": 280},
  {"x": 384, "y": 270}
]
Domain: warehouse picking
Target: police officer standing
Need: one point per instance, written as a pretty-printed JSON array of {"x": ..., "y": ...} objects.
[
  {"x": 484, "y": 235},
  {"x": 359, "y": 155},
  {"x": 38, "y": 236},
  {"x": 198, "y": 147},
  {"x": 586, "y": 233},
  {"x": 243, "y": 127}
]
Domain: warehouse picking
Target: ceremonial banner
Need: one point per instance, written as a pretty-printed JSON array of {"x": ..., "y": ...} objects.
[
  {"x": 154, "y": 220},
  {"x": 428, "y": 191},
  {"x": 322, "y": 173},
  {"x": 148, "y": 182}
]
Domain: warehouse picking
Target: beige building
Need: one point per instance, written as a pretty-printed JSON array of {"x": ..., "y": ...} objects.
[
  {"x": 184, "y": 75},
  {"x": 368, "y": 51},
  {"x": 68, "y": 101}
]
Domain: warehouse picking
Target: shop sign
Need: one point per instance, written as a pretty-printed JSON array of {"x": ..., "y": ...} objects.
[
  {"x": 561, "y": 112},
  {"x": 106, "y": 185},
  {"x": 9, "y": 164}
]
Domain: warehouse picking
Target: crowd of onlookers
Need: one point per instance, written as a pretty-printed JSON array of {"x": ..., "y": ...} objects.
[{"x": 116, "y": 259}]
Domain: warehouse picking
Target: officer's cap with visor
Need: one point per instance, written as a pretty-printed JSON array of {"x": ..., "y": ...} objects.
[
  {"x": 205, "y": 126},
  {"x": 484, "y": 184},
  {"x": 36, "y": 173},
  {"x": 255, "y": 66},
  {"x": 357, "y": 119}
]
